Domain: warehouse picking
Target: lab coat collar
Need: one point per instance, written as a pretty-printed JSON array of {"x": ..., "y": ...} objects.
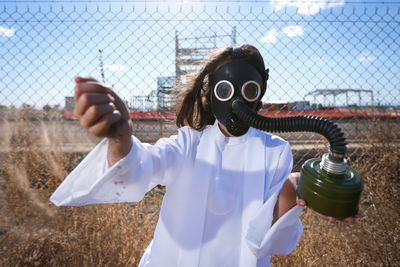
[{"x": 223, "y": 140}]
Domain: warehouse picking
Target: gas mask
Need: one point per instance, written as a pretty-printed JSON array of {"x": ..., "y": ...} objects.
[
  {"x": 328, "y": 186},
  {"x": 235, "y": 80}
]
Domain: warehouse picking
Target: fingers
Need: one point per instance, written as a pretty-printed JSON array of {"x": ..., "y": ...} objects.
[
  {"x": 121, "y": 106},
  {"x": 98, "y": 119},
  {"x": 294, "y": 175},
  {"x": 79, "y": 79},
  {"x": 89, "y": 85},
  {"x": 96, "y": 113},
  {"x": 101, "y": 127},
  {"x": 293, "y": 178},
  {"x": 94, "y": 105},
  {"x": 300, "y": 202},
  {"x": 87, "y": 100},
  {"x": 89, "y": 92}
]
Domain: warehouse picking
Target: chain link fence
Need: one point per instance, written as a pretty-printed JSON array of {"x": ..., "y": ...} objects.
[{"x": 337, "y": 59}]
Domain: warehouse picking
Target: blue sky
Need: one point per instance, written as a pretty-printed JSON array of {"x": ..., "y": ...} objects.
[{"x": 307, "y": 45}]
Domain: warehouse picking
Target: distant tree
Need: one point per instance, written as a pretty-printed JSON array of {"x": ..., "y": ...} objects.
[
  {"x": 26, "y": 106},
  {"x": 47, "y": 107}
]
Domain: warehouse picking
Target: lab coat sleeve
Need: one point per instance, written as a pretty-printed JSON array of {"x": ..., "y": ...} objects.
[
  {"x": 281, "y": 238},
  {"x": 128, "y": 180}
]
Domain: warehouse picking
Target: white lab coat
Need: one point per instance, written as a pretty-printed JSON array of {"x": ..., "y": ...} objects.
[{"x": 219, "y": 200}]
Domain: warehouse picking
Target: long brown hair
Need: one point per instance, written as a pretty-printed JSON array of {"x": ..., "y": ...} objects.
[{"x": 192, "y": 108}]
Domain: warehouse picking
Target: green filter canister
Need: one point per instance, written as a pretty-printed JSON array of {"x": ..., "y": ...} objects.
[{"x": 333, "y": 195}]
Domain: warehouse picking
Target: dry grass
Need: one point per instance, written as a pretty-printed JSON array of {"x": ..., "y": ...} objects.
[{"x": 35, "y": 233}]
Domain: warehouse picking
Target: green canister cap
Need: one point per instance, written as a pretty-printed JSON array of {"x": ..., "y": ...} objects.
[{"x": 333, "y": 195}]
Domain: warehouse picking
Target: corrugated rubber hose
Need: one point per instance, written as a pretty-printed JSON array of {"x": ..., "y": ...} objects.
[{"x": 323, "y": 126}]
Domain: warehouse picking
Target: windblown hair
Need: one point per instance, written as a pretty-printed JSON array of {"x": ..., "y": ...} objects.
[{"x": 193, "y": 104}]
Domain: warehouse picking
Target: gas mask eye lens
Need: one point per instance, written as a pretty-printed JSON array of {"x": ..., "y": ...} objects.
[
  {"x": 251, "y": 90},
  {"x": 224, "y": 90}
]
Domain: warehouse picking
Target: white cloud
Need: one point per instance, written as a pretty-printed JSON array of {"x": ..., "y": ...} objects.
[
  {"x": 335, "y": 3},
  {"x": 306, "y": 7},
  {"x": 270, "y": 37},
  {"x": 278, "y": 4},
  {"x": 366, "y": 57},
  {"x": 310, "y": 8},
  {"x": 293, "y": 30},
  {"x": 114, "y": 67},
  {"x": 6, "y": 32}
]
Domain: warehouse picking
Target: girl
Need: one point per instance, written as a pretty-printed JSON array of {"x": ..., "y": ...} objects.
[{"x": 228, "y": 200}]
